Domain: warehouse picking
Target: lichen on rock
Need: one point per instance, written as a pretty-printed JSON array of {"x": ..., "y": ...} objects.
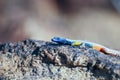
[{"x": 40, "y": 60}]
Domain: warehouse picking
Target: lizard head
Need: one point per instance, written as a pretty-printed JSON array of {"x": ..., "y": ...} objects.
[{"x": 61, "y": 40}]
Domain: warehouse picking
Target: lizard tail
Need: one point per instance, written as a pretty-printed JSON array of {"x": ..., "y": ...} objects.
[{"x": 110, "y": 51}]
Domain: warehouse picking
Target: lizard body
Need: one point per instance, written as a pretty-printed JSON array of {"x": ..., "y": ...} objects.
[{"x": 92, "y": 45}]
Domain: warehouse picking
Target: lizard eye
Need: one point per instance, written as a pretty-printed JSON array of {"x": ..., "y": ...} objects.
[
  {"x": 58, "y": 39},
  {"x": 55, "y": 39}
]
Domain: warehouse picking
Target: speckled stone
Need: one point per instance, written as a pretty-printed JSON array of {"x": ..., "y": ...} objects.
[{"x": 40, "y": 60}]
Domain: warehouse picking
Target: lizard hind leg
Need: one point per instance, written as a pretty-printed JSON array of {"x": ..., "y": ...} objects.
[
  {"x": 99, "y": 48},
  {"x": 110, "y": 52},
  {"x": 103, "y": 51}
]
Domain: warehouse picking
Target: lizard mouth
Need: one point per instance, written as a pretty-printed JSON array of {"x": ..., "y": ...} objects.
[
  {"x": 56, "y": 39},
  {"x": 60, "y": 40}
]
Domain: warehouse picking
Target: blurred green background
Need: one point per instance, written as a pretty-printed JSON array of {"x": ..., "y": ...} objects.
[{"x": 93, "y": 20}]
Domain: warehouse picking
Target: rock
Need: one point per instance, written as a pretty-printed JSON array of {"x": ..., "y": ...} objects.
[{"x": 40, "y": 60}]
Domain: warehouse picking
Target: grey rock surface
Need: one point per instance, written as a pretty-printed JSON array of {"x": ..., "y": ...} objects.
[{"x": 40, "y": 60}]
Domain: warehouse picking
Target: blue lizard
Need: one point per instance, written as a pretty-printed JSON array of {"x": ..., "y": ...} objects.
[{"x": 92, "y": 45}]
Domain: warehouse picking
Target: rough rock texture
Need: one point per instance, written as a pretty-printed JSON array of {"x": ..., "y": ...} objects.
[{"x": 40, "y": 60}]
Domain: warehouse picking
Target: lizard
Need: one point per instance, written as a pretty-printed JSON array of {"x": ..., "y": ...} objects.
[{"x": 88, "y": 44}]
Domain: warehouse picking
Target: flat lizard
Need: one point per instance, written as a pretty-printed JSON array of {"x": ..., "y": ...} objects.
[{"x": 92, "y": 45}]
